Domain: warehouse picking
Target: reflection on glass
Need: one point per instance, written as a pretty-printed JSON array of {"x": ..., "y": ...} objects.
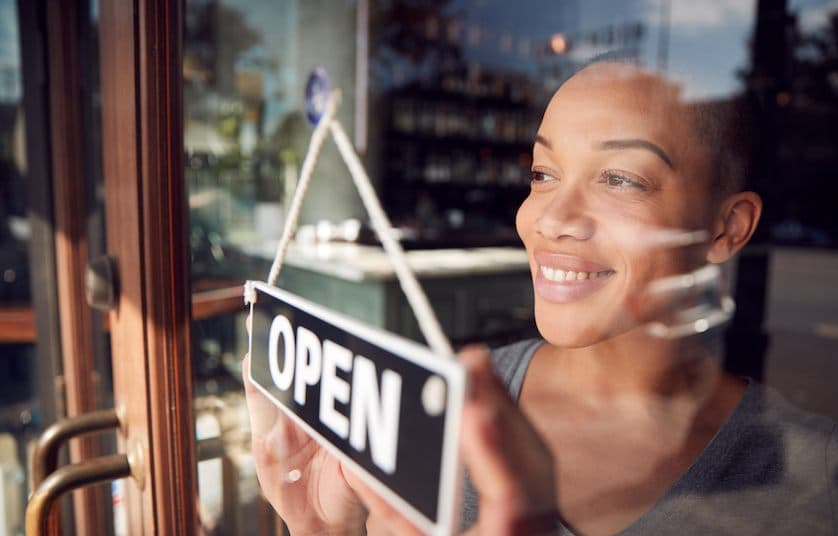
[
  {"x": 14, "y": 229},
  {"x": 463, "y": 84},
  {"x": 16, "y": 350},
  {"x": 639, "y": 200},
  {"x": 457, "y": 91},
  {"x": 242, "y": 122},
  {"x": 242, "y": 113}
]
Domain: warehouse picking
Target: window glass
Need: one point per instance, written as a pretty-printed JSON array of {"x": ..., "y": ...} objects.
[
  {"x": 444, "y": 101},
  {"x": 14, "y": 228},
  {"x": 245, "y": 65},
  {"x": 16, "y": 318}
]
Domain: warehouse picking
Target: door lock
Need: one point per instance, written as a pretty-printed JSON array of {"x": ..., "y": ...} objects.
[{"x": 102, "y": 283}]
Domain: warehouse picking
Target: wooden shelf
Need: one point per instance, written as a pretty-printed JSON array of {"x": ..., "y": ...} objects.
[
  {"x": 210, "y": 303},
  {"x": 17, "y": 324}
]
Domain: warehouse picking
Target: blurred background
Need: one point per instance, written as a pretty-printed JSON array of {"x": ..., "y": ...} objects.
[{"x": 442, "y": 99}]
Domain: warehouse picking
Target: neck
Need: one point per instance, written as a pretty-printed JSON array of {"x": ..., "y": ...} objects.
[{"x": 637, "y": 365}]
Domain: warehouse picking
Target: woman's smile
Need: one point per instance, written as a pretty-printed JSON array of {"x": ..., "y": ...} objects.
[{"x": 562, "y": 278}]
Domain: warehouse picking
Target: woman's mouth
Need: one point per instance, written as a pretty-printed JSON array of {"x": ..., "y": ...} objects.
[
  {"x": 564, "y": 278},
  {"x": 559, "y": 275}
]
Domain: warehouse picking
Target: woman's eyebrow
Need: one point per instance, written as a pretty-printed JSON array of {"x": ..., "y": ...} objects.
[{"x": 635, "y": 143}]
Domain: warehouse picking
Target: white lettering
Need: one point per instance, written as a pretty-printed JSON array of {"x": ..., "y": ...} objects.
[
  {"x": 333, "y": 388},
  {"x": 308, "y": 363},
  {"x": 282, "y": 377},
  {"x": 378, "y": 417},
  {"x": 373, "y": 413}
]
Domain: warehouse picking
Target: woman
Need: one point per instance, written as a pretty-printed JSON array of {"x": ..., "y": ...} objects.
[{"x": 611, "y": 426}]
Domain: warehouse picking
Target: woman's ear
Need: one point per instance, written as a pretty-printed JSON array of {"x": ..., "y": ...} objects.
[{"x": 735, "y": 224}]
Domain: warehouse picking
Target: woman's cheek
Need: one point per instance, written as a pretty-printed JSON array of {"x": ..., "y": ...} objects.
[
  {"x": 525, "y": 219},
  {"x": 647, "y": 252}
]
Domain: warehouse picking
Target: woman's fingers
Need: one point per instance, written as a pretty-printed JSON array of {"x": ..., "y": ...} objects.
[
  {"x": 509, "y": 464},
  {"x": 281, "y": 451},
  {"x": 383, "y": 517},
  {"x": 300, "y": 479},
  {"x": 482, "y": 440},
  {"x": 263, "y": 412}
]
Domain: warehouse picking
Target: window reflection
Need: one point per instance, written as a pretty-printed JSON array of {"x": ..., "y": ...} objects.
[
  {"x": 16, "y": 319},
  {"x": 456, "y": 90},
  {"x": 14, "y": 229}
]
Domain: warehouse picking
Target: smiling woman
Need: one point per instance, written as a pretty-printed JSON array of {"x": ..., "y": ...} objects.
[
  {"x": 619, "y": 418},
  {"x": 648, "y": 435},
  {"x": 605, "y": 425}
]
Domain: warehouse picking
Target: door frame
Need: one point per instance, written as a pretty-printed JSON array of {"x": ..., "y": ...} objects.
[{"x": 146, "y": 221}]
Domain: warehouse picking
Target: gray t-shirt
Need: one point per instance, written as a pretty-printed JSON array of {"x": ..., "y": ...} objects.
[{"x": 771, "y": 469}]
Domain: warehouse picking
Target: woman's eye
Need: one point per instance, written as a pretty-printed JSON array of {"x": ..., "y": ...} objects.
[
  {"x": 616, "y": 180},
  {"x": 541, "y": 177}
]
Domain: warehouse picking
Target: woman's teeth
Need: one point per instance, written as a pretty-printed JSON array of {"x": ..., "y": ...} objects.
[{"x": 554, "y": 274}]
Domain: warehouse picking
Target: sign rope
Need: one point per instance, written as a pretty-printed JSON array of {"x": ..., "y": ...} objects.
[
  {"x": 427, "y": 320},
  {"x": 312, "y": 154}
]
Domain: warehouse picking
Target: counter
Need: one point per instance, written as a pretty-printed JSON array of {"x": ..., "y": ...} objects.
[
  {"x": 480, "y": 294},
  {"x": 354, "y": 262}
]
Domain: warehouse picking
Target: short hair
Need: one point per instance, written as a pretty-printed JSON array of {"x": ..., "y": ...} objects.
[{"x": 726, "y": 128}]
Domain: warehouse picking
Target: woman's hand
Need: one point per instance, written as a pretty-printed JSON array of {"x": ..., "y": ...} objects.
[
  {"x": 303, "y": 482},
  {"x": 510, "y": 466}
]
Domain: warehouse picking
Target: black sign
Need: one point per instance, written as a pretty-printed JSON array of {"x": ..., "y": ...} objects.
[{"x": 380, "y": 402}]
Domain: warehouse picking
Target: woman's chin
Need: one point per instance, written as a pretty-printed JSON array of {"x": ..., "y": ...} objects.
[
  {"x": 567, "y": 335},
  {"x": 575, "y": 329}
]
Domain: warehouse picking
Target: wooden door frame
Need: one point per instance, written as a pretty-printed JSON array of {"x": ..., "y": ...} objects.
[
  {"x": 146, "y": 221},
  {"x": 64, "y": 22}
]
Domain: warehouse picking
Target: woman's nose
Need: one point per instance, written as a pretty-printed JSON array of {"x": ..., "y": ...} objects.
[{"x": 567, "y": 215}]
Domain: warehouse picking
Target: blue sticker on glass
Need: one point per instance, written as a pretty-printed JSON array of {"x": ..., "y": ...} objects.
[{"x": 318, "y": 87}]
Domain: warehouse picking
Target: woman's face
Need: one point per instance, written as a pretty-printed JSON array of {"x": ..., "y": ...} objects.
[{"x": 617, "y": 173}]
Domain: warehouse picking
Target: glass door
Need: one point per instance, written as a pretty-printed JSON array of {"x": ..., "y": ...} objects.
[
  {"x": 54, "y": 354},
  {"x": 245, "y": 134}
]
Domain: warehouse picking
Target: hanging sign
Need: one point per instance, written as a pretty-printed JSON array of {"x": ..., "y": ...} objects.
[{"x": 379, "y": 402}]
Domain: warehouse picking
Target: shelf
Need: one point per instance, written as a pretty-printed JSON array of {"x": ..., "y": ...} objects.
[
  {"x": 466, "y": 186},
  {"x": 460, "y": 141},
  {"x": 210, "y": 303},
  {"x": 17, "y": 324},
  {"x": 436, "y": 94}
]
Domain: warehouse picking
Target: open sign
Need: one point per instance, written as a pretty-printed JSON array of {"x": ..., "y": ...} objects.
[{"x": 379, "y": 402}]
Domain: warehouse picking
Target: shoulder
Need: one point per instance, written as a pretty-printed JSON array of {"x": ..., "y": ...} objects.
[
  {"x": 796, "y": 449},
  {"x": 770, "y": 469},
  {"x": 768, "y": 410},
  {"x": 797, "y": 441},
  {"x": 510, "y": 363}
]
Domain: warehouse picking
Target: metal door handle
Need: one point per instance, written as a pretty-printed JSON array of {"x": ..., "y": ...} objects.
[
  {"x": 51, "y": 440},
  {"x": 51, "y": 483},
  {"x": 67, "y": 478}
]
